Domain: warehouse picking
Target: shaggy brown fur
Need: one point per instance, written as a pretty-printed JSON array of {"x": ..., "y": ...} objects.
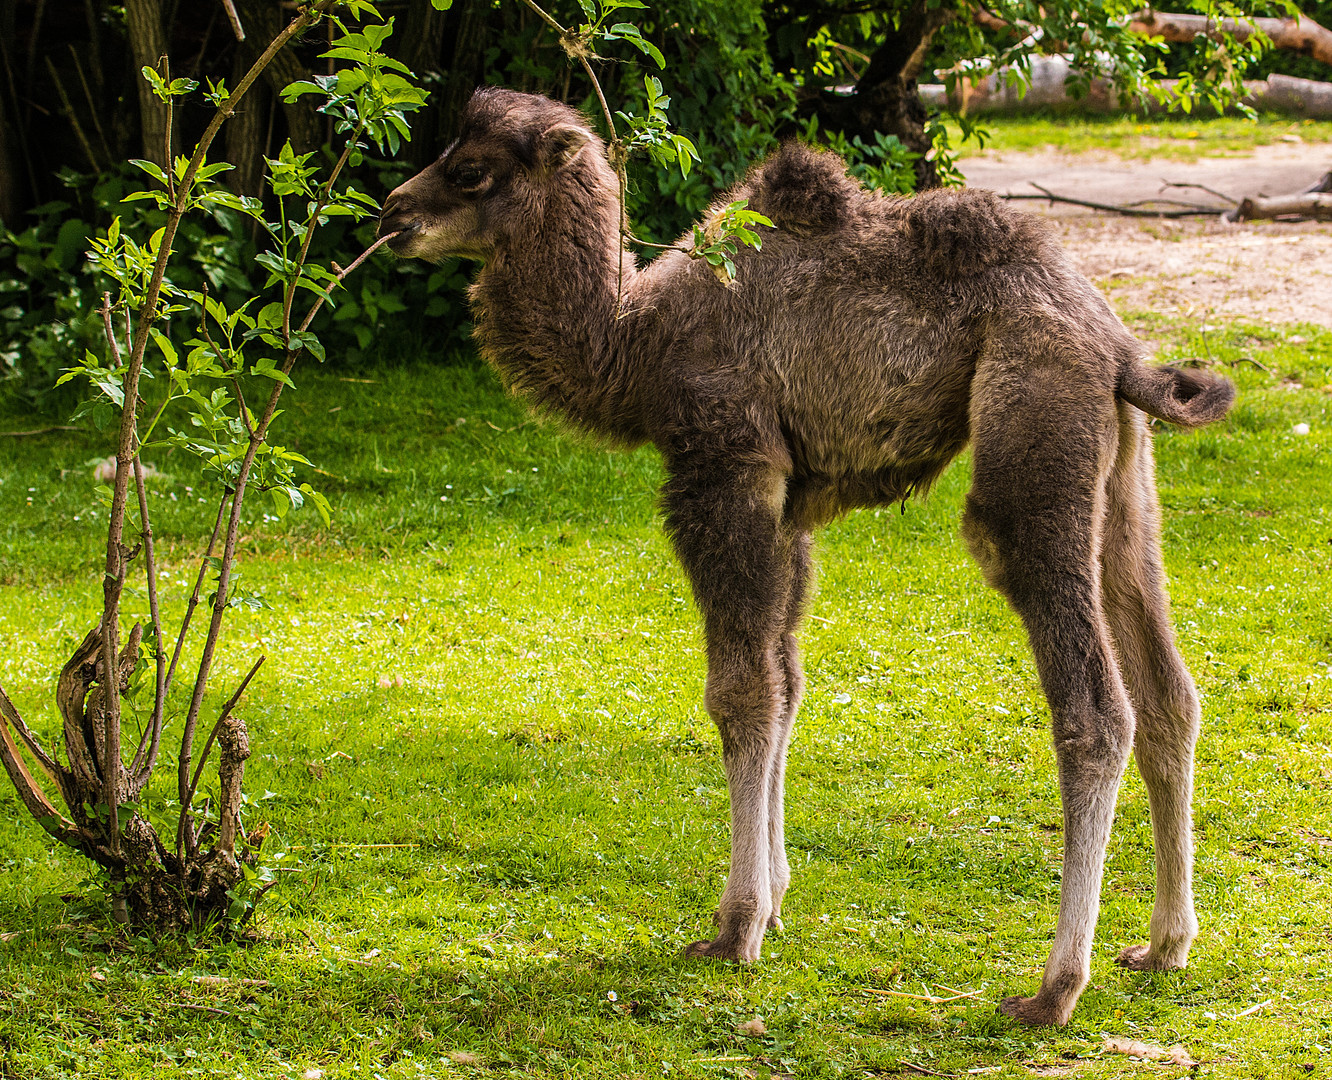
[{"x": 866, "y": 344}]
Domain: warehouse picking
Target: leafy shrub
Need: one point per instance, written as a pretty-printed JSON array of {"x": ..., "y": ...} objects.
[{"x": 50, "y": 291}]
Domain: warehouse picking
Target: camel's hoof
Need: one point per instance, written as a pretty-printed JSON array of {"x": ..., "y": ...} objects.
[
  {"x": 1031, "y": 1011},
  {"x": 1141, "y": 958},
  {"x": 775, "y": 923},
  {"x": 717, "y": 950}
]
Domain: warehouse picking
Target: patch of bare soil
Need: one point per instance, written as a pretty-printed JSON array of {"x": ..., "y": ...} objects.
[{"x": 1202, "y": 270}]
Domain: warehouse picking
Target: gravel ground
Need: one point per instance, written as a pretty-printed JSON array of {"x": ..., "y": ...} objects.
[{"x": 1201, "y": 269}]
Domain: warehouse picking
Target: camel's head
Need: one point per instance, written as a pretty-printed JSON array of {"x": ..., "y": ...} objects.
[{"x": 492, "y": 184}]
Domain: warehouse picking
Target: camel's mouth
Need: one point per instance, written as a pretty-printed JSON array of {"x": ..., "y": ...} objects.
[{"x": 406, "y": 233}]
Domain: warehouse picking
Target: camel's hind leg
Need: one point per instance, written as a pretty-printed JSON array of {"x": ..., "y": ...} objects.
[
  {"x": 1165, "y": 702},
  {"x": 1044, "y": 441}
]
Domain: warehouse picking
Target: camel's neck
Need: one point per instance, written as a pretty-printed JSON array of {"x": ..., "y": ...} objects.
[{"x": 546, "y": 317}]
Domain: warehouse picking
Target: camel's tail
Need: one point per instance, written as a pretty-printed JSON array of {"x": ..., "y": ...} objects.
[{"x": 1180, "y": 395}]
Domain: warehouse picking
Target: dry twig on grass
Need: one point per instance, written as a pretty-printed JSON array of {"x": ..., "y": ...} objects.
[
  {"x": 1175, "y": 1055},
  {"x": 927, "y": 997},
  {"x": 1181, "y": 210}
]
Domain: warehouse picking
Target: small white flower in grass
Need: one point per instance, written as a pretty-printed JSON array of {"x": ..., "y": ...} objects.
[
  {"x": 611, "y": 996},
  {"x": 1300, "y": 429}
]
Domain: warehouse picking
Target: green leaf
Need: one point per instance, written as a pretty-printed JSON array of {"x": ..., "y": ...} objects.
[
  {"x": 270, "y": 318},
  {"x": 281, "y": 500},
  {"x": 164, "y": 343},
  {"x": 292, "y": 91},
  {"x": 634, "y": 36},
  {"x": 151, "y": 168},
  {"x": 320, "y": 501},
  {"x": 311, "y": 342},
  {"x": 267, "y": 367}
]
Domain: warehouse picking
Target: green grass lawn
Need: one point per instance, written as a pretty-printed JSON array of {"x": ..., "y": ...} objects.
[
  {"x": 480, "y": 744},
  {"x": 1174, "y": 138}
]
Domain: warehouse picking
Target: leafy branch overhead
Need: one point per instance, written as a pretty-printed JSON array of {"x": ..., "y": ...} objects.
[
  {"x": 650, "y": 132},
  {"x": 716, "y": 238}
]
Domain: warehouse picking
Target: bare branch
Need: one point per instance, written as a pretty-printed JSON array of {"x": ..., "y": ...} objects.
[
  {"x": 212, "y": 737},
  {"x": 32, "y": 796},
  {"x": 48, "y": 764},
  {"x": 108, "y": 330},
  {"x": 165, "y": 63},
  {"x": 234, "y": 18},
  {"x": 71, "y": 115},
  {"x": 154, "y": 733},
  {"x": 309, "y": 317},
  {"x": 549, "y": 21},
  {"x": 198, "y": 586},
  {"x": 1127, "y": 211},
  {"x": 1198, "y": 187},
  {"x": 40, "y": 431}
]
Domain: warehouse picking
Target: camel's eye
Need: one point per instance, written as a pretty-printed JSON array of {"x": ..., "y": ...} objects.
[{"x": 468, "y": 177}]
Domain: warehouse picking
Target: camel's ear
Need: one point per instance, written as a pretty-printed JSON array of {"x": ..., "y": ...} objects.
[{"x": 560, "y": 144}]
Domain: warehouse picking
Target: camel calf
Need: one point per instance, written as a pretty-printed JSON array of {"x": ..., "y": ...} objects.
[{"x": 855, "y": 356}]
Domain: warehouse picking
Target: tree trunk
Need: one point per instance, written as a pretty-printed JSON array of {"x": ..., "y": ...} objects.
[
  {"x": 246, "y": 131},
  {"x": 10, "y": 182},
  {"x": 423, "y": 40},
  {"x": 886, "y": 97},
  {"x": 147, "y": 45},
  {"x": 263, "y": 21},
  {"x": 455, "y": 59}
]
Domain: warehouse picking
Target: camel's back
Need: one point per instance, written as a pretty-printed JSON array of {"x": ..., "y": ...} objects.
[{"x": 859, "y": 323}]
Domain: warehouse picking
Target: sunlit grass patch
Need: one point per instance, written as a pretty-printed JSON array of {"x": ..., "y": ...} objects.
[{"x": 1176, "y": 138}]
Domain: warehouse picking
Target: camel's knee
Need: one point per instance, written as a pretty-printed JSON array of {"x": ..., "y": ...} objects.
[
  {"x": 743, "y": 695},
  {"x": 1098, "y": 746},
  {"x": 1010, "y": 546}
]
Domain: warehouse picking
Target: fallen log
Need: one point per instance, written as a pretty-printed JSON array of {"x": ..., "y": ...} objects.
[
  {"x": 1309, "y": 204},
  {"x": 1048, "y": 89},
  {"x": 1287, "y": 94},
  {"x": 1301, "y": 35}
]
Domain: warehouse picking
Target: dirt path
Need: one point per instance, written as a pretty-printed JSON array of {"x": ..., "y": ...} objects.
[{"x": 1198, "y": 269}]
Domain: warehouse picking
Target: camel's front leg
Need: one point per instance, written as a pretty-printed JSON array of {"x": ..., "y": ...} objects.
[
  {"x": 726, "y": 528},
  {"x": 744, "y": 696}
]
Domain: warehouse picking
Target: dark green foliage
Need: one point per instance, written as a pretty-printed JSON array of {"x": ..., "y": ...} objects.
[
  {"x": 49, "y": 291},
  {"x": 740, "y": 76}
]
